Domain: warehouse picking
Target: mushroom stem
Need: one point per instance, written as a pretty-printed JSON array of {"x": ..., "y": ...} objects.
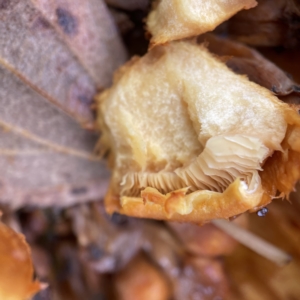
[{"x": 254, "y": 242}]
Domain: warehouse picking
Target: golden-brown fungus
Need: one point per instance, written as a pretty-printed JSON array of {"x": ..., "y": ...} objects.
[
  {"x": 176, "y": 19},
  {"x": 191, "y": 141},
  {"x": 16, "y": 272}
]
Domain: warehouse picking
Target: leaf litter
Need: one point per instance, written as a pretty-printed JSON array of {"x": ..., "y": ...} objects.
[{"x": 49, "y": 78}]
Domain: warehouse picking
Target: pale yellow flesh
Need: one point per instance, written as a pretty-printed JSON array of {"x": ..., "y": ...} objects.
[
  {"x": 179, "y": 118},
  {"x": 177, "y": 19}
]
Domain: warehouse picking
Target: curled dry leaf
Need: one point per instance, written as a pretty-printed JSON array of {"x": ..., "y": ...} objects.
[
  {"x": 247, "y": 61},
  {"x": 176, "y": 19},
  {"x": 270, "y": 23},
  {"x": 48, "y": 63},
  {"x": 199, "y": 142},
  {"x": 118, "y": 239},
  {"x": 129, "y": 4},
  {"x": 286, "y": 59},
  {"x": 115, "y": 245},
  {"x": 16, "y": 272},
  {"x": 76, "y": 280},
  {"x": 107, "y": 246}
]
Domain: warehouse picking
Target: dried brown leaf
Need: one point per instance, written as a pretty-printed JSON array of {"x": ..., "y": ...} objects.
[
  {"x": 114, "y": 245},
  {"x": 53, "y": 57},
  {"x": 45, "y": 157},
  {"x": 270, "y": 23},
  {"x": 247, "y": 61},
  {"x": 129, "y": 4},
  {"x": 118, "y": 239},
  {"x": 89, "y": 31},
  {"x": 43, "y": 53},
  {"x": 286, "y": 59}
]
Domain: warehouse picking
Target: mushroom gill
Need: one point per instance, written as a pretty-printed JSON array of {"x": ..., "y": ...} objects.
[{"x": 188, "y": 138}]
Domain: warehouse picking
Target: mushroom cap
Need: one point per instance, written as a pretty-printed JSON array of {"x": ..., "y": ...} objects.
[{"x": 188, "y": 138}]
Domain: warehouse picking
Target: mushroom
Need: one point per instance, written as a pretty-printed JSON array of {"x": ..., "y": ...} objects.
[{"x": 190, "y": 140}]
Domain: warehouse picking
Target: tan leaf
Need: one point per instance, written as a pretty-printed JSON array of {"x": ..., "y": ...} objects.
[
  {"x": 89, "y": 31},
  {"x": 32, "y": 49},
  {"x": 45, "y": 156}
]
